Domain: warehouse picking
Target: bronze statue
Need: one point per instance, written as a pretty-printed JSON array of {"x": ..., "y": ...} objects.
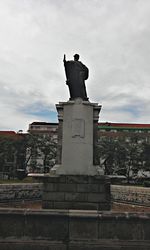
[{"x": 76, "y": 74}]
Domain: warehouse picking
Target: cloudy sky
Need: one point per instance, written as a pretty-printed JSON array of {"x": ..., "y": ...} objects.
[{"x": 112, "y": 38}]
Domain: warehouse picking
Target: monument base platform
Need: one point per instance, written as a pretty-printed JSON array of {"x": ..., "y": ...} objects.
[{"x": 79, "y": 192}]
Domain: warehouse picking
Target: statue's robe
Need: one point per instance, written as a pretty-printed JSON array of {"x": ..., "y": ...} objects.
[{"x": 76, "y": 74}]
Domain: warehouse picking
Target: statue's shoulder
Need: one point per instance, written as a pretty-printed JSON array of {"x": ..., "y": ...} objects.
[
  {"x": 83, "y": 65},
  {"x": 70, "y": 62}
]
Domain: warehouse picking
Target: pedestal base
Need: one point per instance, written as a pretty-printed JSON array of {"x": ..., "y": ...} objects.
[
  {"x": 62, "y": 170},
  {"x": 76, "y": 192}
]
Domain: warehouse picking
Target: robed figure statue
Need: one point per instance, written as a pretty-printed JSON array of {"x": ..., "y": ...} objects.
[{"x": 76, "y": 74}]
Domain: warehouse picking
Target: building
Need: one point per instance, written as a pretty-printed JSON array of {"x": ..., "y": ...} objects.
[
  {"x": 123, "y": 127},
  {"x": 124, "y": 131},
  {"x": 46, "y": 128},
  {"x": 105, "y": 129}
]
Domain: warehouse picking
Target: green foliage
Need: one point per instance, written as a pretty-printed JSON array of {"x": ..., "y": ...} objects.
[
  {"x": 107, "y": 154},
  {"x": 124, "y": 156},
  {"x": 146, "y": 156},
  {"x": 20, "y": 151},
  {"x": 12, "y": 154},
  {"x": 41, "y": 147},
  {"x": 146, "y": 184},
  {"x": 25, "y": 180}
]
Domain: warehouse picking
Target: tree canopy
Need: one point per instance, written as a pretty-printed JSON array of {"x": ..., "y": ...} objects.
[{"x": 124, "y": 156}]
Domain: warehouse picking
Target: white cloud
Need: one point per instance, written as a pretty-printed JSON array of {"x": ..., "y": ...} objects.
[{"x": 112, "y": 38}]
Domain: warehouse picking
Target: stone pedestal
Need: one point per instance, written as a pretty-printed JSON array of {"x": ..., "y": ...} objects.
[
  {"x": 76, "y": 182},
  {"x": 77, "y": 138},
  {"x": 79, "y": 192}
]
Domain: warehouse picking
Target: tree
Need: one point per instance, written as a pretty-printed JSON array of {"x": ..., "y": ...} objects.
[
  {"x": 47, "y": 148},
  {"x": 31, "y": 152},
  {"x": 145, "y": 156},
  {"x": 41, "y": 152},
  {"x": 107, "y": 150},
  {"x": 10, "y": 150},
  {"x": 128, "y": 157},
  {"x": 124, "y": 156},
  {"x": 17, "y": 151}
]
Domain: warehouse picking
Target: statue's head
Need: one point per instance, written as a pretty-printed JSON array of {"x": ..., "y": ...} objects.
[{"x": 76, "y": 57}]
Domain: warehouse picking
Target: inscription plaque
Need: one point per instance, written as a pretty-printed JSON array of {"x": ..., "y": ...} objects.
[{"x": 78, "y": 128}]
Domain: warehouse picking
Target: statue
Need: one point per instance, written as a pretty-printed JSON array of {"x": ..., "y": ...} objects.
[{"x": 76, "y": 74}]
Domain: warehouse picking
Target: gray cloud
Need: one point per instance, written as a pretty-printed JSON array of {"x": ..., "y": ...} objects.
[{"x": 112, "y": 38}]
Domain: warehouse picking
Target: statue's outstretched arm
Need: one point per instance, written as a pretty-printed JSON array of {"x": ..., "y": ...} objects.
[{"x": 64, "y": 58}]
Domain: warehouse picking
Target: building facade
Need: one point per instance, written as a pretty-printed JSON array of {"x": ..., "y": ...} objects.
[
  {"x": 124, "y": 131},
  {"x": 41, "y": 128},
  {"x": 105, "y": 129}
]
